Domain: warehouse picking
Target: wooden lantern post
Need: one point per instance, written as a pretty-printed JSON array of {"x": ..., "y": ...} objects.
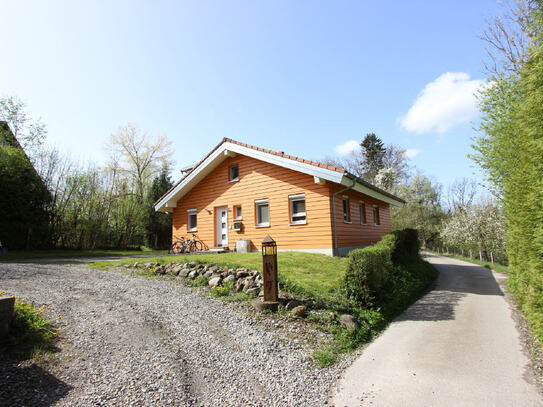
[{"x": 269, "y": 267}]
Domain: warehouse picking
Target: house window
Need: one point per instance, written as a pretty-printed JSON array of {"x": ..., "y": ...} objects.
[
  {"x": 346, "y": 210},
  {"x": 192, "y": 220},
  {"x": 362, "y": 213},
  {"x": 262, "y": 210},
  {"x": 376, "y": 219},
  {"x": 297, "y": 209},
  {"x": 237, "y": 212},
  {"x": 234, "y": 173}
]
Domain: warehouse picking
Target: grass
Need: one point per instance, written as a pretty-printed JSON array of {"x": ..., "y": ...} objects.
[
  {"x": 31, "y": 334},
  {"x": 310, "y": 274},
  {"x": 487, "y": 264},
  {"x": 37, "y": 254}
]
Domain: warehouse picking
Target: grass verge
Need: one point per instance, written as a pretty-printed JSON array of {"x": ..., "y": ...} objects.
[
  {"x": 487, "y": 264},
  {"x": 53, "y": 253}
]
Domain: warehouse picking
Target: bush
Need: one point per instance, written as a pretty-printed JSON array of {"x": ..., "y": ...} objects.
[
  {"x": 368, "y": 271},
  {"x": 389, "y": 274}
]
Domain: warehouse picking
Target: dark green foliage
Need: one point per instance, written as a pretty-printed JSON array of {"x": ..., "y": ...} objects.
[
  {"x": 388, "y": 275},
  {"x": 24, "y": 200},
  {"x": 374, "y": 151},
  {"x": 158, "y": 225}
]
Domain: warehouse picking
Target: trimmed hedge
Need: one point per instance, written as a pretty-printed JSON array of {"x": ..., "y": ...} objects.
[{"x": 389, "y": 275}]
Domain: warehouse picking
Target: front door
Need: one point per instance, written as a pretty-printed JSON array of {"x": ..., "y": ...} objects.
[{"x": 222, "y": 227}]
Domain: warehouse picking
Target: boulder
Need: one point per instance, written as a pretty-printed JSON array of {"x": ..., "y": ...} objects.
[
  {"x": 253, "y": 291},
  {"x": 160, "y": 270},
  {"x": 239, "y": 286},
  {"x": 191, "y": 265},
  {"x": 7, "y": 310},
  {"x": 192, "y": 275},
  {"x": 214, "y": 282},
  {"x": 260, "y": 305},
  {"x": 241, "y": 273},
  {"x": 230, "y": 279},
  {"x": 293, "y": 304},
  {"x": 299, "y": 311},
  {"x": 149, "y": 265},
  {"x": 184, "y": 272},
  {"x": 348, "y": 322},
  {"x": 208, "y": 273}
]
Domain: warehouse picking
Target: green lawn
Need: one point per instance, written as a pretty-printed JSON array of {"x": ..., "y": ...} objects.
[
  {"x": 316, "y": 274},
  {"x": 495, "y": 266},
  {"x": 37, "y": 254}
]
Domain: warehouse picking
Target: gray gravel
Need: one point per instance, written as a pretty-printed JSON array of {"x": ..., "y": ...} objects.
[{"x": 127, "y": 340}]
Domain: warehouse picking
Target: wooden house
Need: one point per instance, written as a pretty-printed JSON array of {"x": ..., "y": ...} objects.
[{"x": 239, "y": 191}]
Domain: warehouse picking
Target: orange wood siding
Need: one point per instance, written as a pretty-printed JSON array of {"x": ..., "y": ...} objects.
[
  {"x": 355, "y": 234},
  {"x": 258, "y": 180}
]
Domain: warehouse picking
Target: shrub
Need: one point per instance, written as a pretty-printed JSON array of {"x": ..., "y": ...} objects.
[
  {"x": 368, "y": 271},
  {"x": 200, "y": 281}
]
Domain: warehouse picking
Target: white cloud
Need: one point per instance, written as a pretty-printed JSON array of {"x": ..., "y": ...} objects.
[
  {"x": 347, "y": 148},
  {"x": 411, "y": 152},
  {"x": 443, "y": 104}
]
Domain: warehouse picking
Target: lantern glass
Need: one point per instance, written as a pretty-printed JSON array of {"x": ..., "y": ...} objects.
[{"x": 269, "y": 247}]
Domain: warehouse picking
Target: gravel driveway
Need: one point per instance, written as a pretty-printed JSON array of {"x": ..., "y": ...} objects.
[{"x": 134, "y": 341}]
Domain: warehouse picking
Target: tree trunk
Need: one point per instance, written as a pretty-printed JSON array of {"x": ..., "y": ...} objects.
[{"x": 491, "y": 257}]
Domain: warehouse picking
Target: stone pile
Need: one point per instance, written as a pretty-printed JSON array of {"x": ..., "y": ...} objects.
[{"x": 243, "y": 279}]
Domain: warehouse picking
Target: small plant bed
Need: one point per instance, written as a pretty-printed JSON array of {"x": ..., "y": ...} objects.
[
  {"x": 328, "y": 305},
  {"x": 31, "y": 335}
]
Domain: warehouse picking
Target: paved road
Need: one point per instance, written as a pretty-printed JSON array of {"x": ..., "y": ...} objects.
[{"x": 457, "y": 346}]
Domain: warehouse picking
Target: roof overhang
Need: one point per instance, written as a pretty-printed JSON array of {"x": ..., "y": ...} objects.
[{"x": 228, "y": 149}]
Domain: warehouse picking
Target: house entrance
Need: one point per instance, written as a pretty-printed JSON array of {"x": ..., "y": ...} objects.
[{"x": 222, "y": 227}]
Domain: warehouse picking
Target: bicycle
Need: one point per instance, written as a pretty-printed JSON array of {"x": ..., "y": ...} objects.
[
  {"x": 194, "y": 244},
  {"x": 179, "y": 246}
]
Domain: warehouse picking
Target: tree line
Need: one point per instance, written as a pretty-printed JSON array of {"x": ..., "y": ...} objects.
[{"x": 49, "y": 199}]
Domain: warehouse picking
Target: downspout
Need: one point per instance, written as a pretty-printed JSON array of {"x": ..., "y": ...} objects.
[{"x": 334, "y": 230}]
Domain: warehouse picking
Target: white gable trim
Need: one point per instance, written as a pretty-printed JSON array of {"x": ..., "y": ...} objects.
[{"x": 227, "y": 149}]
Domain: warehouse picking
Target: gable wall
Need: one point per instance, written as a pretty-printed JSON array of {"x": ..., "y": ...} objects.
[
  {"x": 258, "y": 180},
  {"x": 355, "y": 234}
]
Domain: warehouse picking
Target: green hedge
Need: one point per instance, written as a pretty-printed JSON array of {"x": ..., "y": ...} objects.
[{"x": 389, "y": 275}]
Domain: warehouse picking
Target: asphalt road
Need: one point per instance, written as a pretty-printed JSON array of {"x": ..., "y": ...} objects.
[{"x": 456, "y": 346}]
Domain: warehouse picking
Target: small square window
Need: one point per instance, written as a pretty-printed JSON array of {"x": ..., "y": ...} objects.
[
  {"x": 297, "y": 209},
  {"x": 237, "y": 212},
  {"x": 346, "y": 210},
  {"x": 262, "y": 213},
  {"x": 234, "y": 173},
  {"x": 192, "y": 220},
  {"x": 376, "y": 219}
]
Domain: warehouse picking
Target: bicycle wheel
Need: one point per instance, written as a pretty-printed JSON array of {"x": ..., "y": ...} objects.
[
  {"x": 178, "y": 247},
  {"x": 198, "y": 246}
]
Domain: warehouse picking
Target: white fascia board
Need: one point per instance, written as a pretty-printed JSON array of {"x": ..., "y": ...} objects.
[
  {"x": 370, "y": 192},
  {"x": 306, "y": 168},
  {"x": 211, "y": 162}
]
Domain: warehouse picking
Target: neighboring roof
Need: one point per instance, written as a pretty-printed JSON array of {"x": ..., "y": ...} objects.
[{"x": 227, "y": 147}]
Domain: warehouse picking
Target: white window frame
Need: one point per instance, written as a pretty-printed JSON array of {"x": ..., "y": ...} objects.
[
  {"x": 230, "y": 179},
  {"x": 189, "y": 213},
  {"x": 259, "y": 202},
  {"x": 362, "y": 208},
  {"x": 240, "y": 211},
  {"x": 296, "y": 198}
]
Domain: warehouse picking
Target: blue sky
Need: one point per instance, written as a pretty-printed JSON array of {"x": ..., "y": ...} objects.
[{"x": 302, "y": 77}]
